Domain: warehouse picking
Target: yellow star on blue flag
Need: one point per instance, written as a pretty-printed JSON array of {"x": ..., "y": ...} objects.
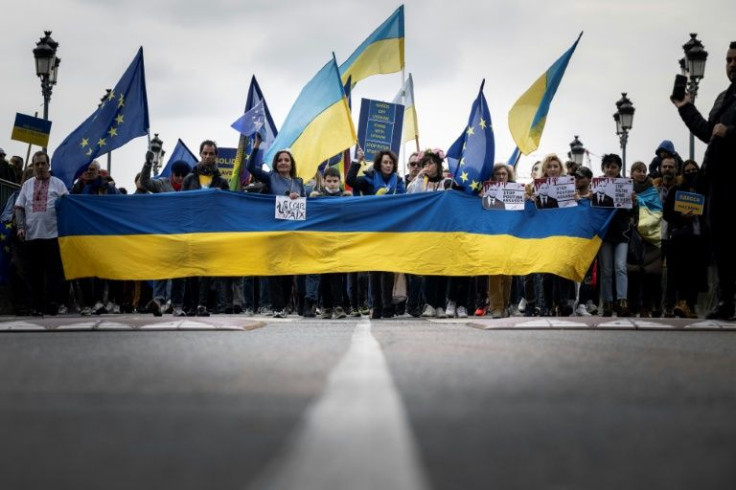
[
  {"x": 129, "y": 104},
  {"x": 471, "y": 157}
]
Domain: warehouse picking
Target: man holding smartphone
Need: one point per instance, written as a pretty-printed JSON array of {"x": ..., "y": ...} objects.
[{"x": 719, "y": 132}]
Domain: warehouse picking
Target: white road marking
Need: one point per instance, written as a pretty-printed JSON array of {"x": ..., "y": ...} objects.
[
  {"x": 20, "y": 325},
  {"x": 356, "y": 435}
]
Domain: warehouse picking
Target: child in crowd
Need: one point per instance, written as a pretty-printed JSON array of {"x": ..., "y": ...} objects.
[{"x": 332, "y": 285}]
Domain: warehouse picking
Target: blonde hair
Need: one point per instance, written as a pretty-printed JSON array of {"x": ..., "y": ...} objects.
[{"x": 547, "y": 160}]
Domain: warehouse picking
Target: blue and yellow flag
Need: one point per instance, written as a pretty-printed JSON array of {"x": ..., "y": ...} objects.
[
  {"x": 470, "y": 158},
  {"x": 529, "y": 114},
  {"x": 134, "y": 237},
  {"x": 406, "y": 98},
  {"x": 319, "y": 124},
  {"x": 181, "y": 152},
  {"x": 649, "y": 223},
  {"x": 382, "y": 52},
  {"x": 121, "y": 117}
]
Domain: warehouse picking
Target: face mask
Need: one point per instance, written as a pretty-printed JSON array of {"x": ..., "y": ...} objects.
[{"x": 690, "y": 178}]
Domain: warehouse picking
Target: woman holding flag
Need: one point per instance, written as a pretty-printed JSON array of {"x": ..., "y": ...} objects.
[{"x": 381, "y": 179}]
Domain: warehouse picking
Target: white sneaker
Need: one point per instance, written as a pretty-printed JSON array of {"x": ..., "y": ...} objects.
[
  {"x": 496, "y": 314},
  {"x": 440, "y": 313},
  {"x": 450, "y": 309},
  {"x": 462, "y": 312},
  {"x": 177, "y": 311},
  {"x": 428, "y": 312},
  {"x": 582, "y": 311},
  {"x": 522, "y": 305}
]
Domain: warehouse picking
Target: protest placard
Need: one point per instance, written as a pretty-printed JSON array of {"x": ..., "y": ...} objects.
[
  {"x": 379, "y": 127},
  {"x": 291, "y": 209},
  {"x": 609, "y": 192},
  {"x": 503, "y": 195},
  {"x": 554, "y": 192}
]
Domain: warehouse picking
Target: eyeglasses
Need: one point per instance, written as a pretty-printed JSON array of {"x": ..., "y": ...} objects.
[{"x": 413, "y": 164}]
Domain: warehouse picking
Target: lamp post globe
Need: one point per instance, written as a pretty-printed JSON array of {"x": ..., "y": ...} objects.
[
  {"x": 624, "y": 118},
  {"x": 695, "y": 57},
  {"x": 577, "y": 151},
  {"x": 47, "y": 68},
  {"x": 157, "y": 148}
]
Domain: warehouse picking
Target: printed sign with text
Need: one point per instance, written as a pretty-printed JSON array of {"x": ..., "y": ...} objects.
[
  {"x": 554, "y": 192},
  {"x": 689, "y": 201},
  {"x": 608, "y": 192},
  {"x": 503, "y": 195}
]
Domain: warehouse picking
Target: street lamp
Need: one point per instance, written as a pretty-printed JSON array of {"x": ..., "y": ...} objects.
[
  {"x": 624, "y": 118},
  {"x": 577, "y": 151},
  {"x": 156, "y": 146},
  {"x": 694, "y": 68},
  {"x": 47, "y": 68}
]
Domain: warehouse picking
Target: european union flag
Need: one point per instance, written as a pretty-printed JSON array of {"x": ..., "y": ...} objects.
[
  {"x": 121, "y": 117},
  {"x": 470, "y": 158},
  {"x": 256, "y": 119},
  {"x": 182, "y": 153},
  {"x": 252, "y": 121}
]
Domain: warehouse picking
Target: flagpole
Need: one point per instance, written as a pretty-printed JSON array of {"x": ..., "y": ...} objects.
[
  {"x": 403, "y": 102},
  {"x": 28, "y": 153}
]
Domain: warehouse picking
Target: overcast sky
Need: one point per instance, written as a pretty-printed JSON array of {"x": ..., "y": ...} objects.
[{"x": 200, "y": 56}]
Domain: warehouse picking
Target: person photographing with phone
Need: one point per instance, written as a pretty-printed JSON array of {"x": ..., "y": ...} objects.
[{"x": 716, "y": 179}]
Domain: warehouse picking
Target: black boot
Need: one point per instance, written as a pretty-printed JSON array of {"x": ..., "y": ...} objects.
[{"x": 722, "y": 311}]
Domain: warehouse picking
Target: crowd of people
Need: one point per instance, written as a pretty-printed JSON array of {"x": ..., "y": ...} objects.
[{"x": 649, "y": 265}]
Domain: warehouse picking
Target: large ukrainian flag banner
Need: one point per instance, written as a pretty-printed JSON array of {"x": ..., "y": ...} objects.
[
  {"x": 382, "y": 52},
  {"x": 220, "y": 233},
  {"x": 318, "y": 125},
  {"x": 529, "y": 114}
]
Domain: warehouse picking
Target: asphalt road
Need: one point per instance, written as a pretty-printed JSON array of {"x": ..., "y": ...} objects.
[{"x": 360, "y": 404}]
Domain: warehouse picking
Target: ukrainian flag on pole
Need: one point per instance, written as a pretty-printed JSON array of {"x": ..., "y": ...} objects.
[
  {"x": 406, "y": 97},
  {"x": 318, "y": 125},
  {"x": 382, "y": 52},
  {"x": 529, "y": 114}
]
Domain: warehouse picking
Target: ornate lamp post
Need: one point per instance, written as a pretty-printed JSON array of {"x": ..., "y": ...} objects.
[
  {"x": 156, "y": 146},
  {"x": 47, "y": 68},
  {"x": 577, "y": 151},
  {"x": 624, "y": 118},
  {"x": 694, "y": 68}
]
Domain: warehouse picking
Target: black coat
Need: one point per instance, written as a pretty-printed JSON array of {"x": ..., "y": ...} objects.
[
  {"x": 191, "y": 181},
  {"x": 720, "y": 156}
]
